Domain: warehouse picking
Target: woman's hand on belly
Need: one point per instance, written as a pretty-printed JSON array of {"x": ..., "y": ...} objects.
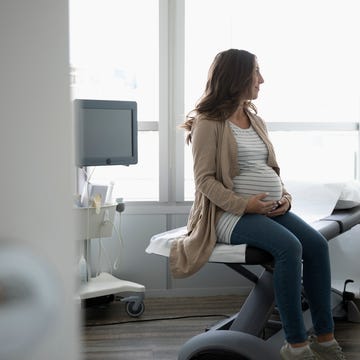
[
  {"x": 281, "y": 209},
  {"x": 257, "y": 205}
]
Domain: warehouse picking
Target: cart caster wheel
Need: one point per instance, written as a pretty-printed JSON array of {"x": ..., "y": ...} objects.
[{"x": 134, "y": 311}]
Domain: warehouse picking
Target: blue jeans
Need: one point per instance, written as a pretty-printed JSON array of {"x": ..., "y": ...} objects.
[{"x": 293, "y": 243}]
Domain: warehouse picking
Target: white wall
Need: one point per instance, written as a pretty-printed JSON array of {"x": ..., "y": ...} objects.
[{"x": 36, "y": 179}]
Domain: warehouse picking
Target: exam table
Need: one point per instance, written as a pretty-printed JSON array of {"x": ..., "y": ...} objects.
[{"x": 255, "y": 332}]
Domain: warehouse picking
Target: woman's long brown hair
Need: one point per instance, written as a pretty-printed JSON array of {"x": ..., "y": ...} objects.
[{"x": 229, "y": 80}]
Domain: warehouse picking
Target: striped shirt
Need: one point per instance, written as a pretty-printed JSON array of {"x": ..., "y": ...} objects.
[{"x": 255, "y": 176}]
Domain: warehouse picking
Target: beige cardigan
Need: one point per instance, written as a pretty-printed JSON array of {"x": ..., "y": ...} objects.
[{"x": 215, "y": 165}]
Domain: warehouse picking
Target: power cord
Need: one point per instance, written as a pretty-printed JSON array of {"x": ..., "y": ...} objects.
[
  {"x": 105, "y": 221},
  {"x": 121, "y": 242},
  {"x": 158, "y": 319},
  {"x": 102, "y": 248}
]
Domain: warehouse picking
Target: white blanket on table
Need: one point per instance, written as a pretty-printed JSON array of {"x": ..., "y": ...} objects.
[{"x": 160, "y": 244}]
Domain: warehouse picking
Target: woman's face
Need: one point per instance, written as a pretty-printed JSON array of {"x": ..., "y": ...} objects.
[{"x": 257, "y": 79}]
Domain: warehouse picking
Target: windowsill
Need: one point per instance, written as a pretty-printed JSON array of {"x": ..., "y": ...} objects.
[{"x": 154, "y": 207}]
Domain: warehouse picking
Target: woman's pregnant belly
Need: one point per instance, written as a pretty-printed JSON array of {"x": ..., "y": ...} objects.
[{"x": 261, "y": 179}]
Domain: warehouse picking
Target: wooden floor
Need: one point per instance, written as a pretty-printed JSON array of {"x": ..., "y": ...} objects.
[{"x": 108, "y": 333}]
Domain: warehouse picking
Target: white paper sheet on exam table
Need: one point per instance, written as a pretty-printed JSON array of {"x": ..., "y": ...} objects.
[{"x": 313, "y": 200}]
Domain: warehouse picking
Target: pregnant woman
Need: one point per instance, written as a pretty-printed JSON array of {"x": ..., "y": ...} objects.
[{"x": 240, "y": 199}]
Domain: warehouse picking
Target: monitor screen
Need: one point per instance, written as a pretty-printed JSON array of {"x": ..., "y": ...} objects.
[{"x": 105, "y": 132}]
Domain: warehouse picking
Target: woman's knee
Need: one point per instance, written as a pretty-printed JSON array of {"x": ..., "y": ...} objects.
[
  {"x": 317, "y": 247},
  {"x": 291, "y": 248}
]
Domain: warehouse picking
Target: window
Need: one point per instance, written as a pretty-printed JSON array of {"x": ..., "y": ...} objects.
[
  {"x": 114, "y": 50},
  {"x": 308, "y": 55},
  {"x": 157, "y": 52}
]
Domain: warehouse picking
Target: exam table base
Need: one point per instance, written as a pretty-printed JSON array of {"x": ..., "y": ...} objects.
[{"x": 253, "y": 333}]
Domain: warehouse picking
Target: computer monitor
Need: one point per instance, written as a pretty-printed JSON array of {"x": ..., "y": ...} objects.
[{"x": 105, "y": 132}]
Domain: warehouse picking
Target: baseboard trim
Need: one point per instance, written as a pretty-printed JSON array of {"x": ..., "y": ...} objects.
[{"x": 198, "y": 292}]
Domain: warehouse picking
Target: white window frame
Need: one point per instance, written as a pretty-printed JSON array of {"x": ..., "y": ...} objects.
[{"x": 171, "y": 95}]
